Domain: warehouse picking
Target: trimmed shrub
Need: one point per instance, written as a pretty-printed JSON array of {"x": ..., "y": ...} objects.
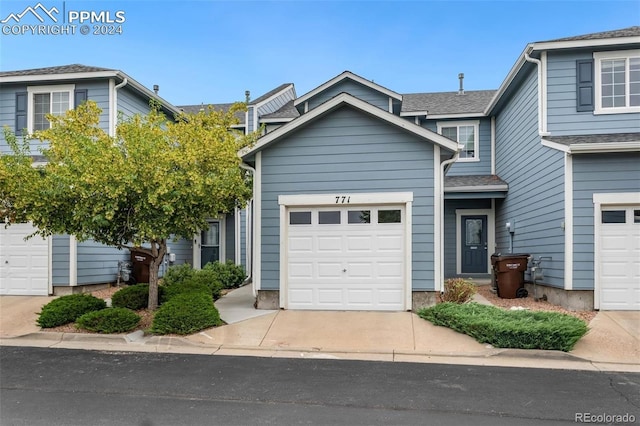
[
  {"x": 178, "y": 274},
  {"x": 228, "y": 274},
  {"x": 458, "y": 290},
  {"x": 189, "y": 286},
  {"x": 133, "y": 297},
  {"x": 185, "y": 314},
  {"x": 66, "y": 309},
  {"x": 509, "y": 329},
  {"x": 109, "y": 320}
]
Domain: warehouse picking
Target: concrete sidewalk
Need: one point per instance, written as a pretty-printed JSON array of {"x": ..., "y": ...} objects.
[{"x": 613, "y": 342}]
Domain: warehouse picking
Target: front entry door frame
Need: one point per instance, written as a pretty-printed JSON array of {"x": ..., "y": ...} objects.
[
  {"x": 491, "y": 235},
  {"x": 197, "y": 243}
]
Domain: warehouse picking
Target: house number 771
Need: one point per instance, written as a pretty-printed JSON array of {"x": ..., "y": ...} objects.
[{"x": 343, "y": 199}]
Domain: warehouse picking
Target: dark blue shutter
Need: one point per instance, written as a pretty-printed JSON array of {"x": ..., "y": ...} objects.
[
  {"x": 584, "y": 74},
  {"x": 21, "y": 112},
  {"x": 79, "y": 96}
]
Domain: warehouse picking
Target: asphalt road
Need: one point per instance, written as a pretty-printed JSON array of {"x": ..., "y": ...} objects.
[{"x": 72, "y": 387}]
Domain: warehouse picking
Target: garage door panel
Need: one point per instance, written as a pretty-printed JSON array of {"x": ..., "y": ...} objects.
[
  {"x": 24, "y": 264},
  {"x": 619, "y": 259},
  {"x": 356, "y": 266},
  {"x": 301, "y": 270},
  {"x": 301, "y": 244}
]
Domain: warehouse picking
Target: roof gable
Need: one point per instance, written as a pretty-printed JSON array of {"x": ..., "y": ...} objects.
[
  {"x": 340, "y": 101},
  {"x": 344, "y": 76}
]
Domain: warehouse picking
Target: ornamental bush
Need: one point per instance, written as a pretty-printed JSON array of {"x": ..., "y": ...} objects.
[
  {"x": 186, "y": 313},
  {"x": 66, "y": 309},
  {"x": 188, "y": 286},
  {"x": 509, "y": 329},
  {"x": 458, "y": 290},
  {"x": 109, "y": 320},
  {"x": 228, "y": 274},
  {"x": 133, "y": 297},
  {"x": 177, "y": 274}
]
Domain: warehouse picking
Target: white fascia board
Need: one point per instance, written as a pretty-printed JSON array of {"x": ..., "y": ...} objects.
[
  {"x": 586, "y": 148},
  {"x": 337, "y": 101},
  {"x": 272, "y": 97},
  {"x": 345, "y": 199},
  {"x": 520, "y": 62},
  {"x": 461, "y": 115},
  {"x": 413, "y": 113},
  {"x": 620, "y": 198},
  {"x": 57, "y": 77},
  {"x": 275, "y": 120},
  {"x": 491, "y": 188},
  {"x": 345, "y": 75},
  {"x": 555, "y": 145},
  {"x": 576, "y": 44}
]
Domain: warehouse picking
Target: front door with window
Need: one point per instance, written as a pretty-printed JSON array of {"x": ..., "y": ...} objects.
[
  {"x": 474, "y": 244},
  {"x": 210, "y": 244}
]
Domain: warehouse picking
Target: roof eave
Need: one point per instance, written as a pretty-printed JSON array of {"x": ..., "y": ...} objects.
[
  {"x": 58, "y": 77},
  {"x": 576, "y": 44}
]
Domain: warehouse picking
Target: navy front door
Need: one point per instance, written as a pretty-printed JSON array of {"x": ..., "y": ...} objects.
[{"x": 474, "y": 244}]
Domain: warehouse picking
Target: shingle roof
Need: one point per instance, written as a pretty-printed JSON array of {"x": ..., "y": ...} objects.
[
  {"x": 444, "y": 103},
  {"x": 194, "y": 109},
  {"x": 269, "y": 93},
  {"x": 63, "y": 69},
  {"x": 591, "y": 139},
  {"x": 474, "y": 182},
  {"x": 286, "y": 111},
  {"x": 624, "y": 32}
]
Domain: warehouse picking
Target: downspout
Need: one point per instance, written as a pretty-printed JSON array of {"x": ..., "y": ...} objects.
[
  {"x": 114, "y": 107},
  {"x": 251, "y": 170},
  {"x": 542, "y": 131},
  {"x": 444, "y": 168}
]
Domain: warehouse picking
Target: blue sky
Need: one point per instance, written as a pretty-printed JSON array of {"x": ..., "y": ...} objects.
[{"x": 212, "y": 51}]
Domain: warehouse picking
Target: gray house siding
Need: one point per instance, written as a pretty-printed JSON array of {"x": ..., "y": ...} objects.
[
  {"x": 251, "y": 126},
  {"x": 183, "y": 249},
  {"x": 596, "y": 173},
  {"x": 535, "y": 174},
  {"x": 466, "y": 168},
  {"x": 450, "y": 230},
  {"x": 97, "y": 91},
  {"x": 243, "y": 238},
  {"x": 98, "y": 263},
  {"x": 563, "y": 119},
  {"x": 276, "y": 103},
  {"x": 130, "y": 104},
  {"x": 60, "y": 260},
  {"x": 364, "y": 93},
  {"x": 349, "y": 151}
]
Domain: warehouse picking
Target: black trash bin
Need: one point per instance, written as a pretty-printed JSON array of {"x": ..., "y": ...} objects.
[
  {"x": 140, "y": 262},
  {"x": 508, "y": 270}
]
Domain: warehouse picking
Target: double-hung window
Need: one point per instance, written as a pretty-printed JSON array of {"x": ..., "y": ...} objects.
[
  {"x": 43, "y": 100},
  {"x": 617, "y": 78},
  {"x": 466, "y": 134}
]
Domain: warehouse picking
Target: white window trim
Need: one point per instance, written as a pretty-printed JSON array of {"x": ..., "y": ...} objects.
[
  {"x": 598, "y": 57},
  {"x": 476, "y": 145},
  {"x": 34, "y": 90}
]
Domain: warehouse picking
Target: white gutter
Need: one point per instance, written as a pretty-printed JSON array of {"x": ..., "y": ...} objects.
[
  {"x": 114, "y": 107},
  {"x": 250, "y": 266},
  {"x": 443, "y": 169},
  {"x": 542, "y": 131}
]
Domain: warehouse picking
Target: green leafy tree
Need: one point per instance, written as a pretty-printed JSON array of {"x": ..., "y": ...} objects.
[{"x": 155, "y": 179}]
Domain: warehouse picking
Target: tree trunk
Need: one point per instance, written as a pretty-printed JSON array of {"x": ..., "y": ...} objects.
[{"x": 158, "y": 250}]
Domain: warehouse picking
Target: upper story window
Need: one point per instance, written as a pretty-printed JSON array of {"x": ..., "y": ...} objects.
[
  {"x": 466, "y": 134},
  {"x": 617, "y": 78},
  {"x": 43, "y": 100}
]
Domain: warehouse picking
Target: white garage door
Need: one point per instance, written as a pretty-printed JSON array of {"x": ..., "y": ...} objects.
[
  {"x": 346, "y": 258},
  {"x": 24, "y": 265},
  {"x": 619, "y": 258}
]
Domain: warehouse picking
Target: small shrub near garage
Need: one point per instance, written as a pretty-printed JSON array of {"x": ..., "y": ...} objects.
[
  {"x": 133, "y": 297},
  {"x": 109, "y": 320},
  {"x": 185, "y": 314},
  {"x": 178, "y": 274},
  {"x": 189, "y": 286},
  {"x": 66, "y": 309},
  {"x": 458, "y": 290},
  {"x": 509, "y": 329},
  {"x": 228, "y": 274}
]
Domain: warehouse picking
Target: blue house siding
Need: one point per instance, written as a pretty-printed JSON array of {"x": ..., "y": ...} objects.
[
  {"x": 130, "y": 103},
  {"x": 596, "y": 173},
  {"x": 450, "y": 230},
  {"x": 563, "y": 119},
  {"x": 364, "y": 93},
  {"x": 183, "y": 249},
  {"x": 60, "y": 260},
  {"x": 535, "y": 201},
  {"x": 349, "y": 151},
  {"x": 98, "y": 91},
  {"x": 98, "y": 263}
]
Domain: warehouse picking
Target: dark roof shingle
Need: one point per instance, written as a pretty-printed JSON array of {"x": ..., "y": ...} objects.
[
  {"x": 194, "y": 109},
  {"x": 589, "y": 139},
  {"x": 443, "y": 103},
  {"x": 624, "y": 32},
  {"x": 270, "y": 93},
  {"x": 63, "y": 69},
  {"x": 474, "y": 181},
  {"x": 286, "y": 111}
]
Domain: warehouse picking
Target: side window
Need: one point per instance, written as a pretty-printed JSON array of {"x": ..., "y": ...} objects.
[
  {"x": 466, "y": 134},
  {"x": 299, "y": 218},
  {"x": 613, "y": 216}
]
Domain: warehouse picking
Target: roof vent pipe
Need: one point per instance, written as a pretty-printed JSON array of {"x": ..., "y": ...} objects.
[
  {"x": 156, "y": 88},
  {"x": 461, "y": 78},
  {"x": 247, "y": 96}
]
